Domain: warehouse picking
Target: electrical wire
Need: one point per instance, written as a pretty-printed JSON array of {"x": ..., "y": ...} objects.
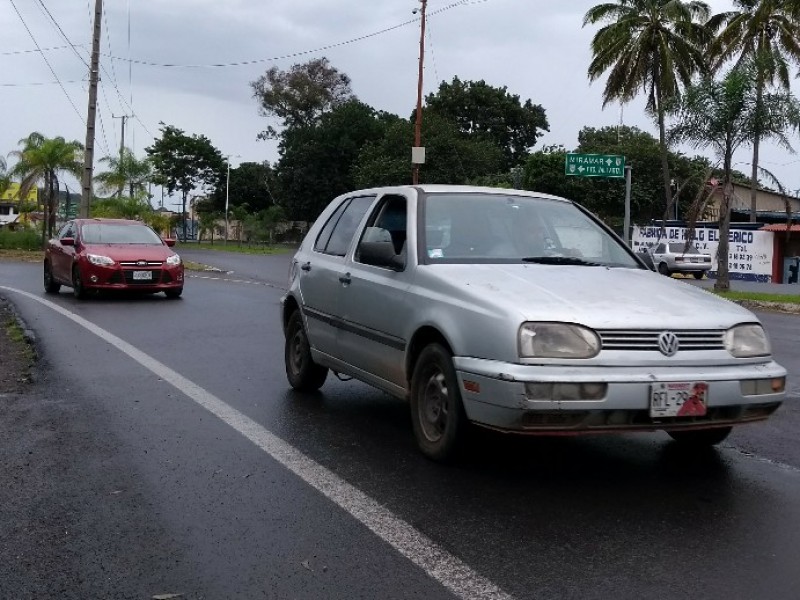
[
  {"x": 32, "y": 50},
  {"x": 37, "y": 83},
  {"x": 47, "y": 62},
  {"x": 61, "y": 31}
]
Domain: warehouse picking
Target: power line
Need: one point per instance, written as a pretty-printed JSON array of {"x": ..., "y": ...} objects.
[
  {"x": 61, "y": 31},
  {"x": 36, "y": 83},
  {"x": 47, "y": 62},
  {"x": 32, "y": 50},
  {"x": 354, "y": 40}
]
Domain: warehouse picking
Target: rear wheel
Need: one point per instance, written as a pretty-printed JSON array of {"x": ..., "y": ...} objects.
[
  {"x": 173, "y": 293},
  {"x": 701, "y": 437},
  {"x": 437, "y": 413},
  {"x": 302, "y": 372},
  {"x": 664, "y": 269},
  {"x": 698, "y": 274},
  {"x": 50, "y": 284},
  {"x": 77, "y": 284}
]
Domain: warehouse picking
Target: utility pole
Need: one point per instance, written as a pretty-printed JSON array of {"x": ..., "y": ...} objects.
[
  {"x": 121, "y": 148},
  {"x": 626, "y": 234},
  {"x": 94, "y": 75},
  {"x": 418, "y": 152}
]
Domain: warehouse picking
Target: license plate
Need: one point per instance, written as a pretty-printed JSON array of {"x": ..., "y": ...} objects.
[
  {"x": 142, "y": 275},
  {"x": 678, "y": 399}
]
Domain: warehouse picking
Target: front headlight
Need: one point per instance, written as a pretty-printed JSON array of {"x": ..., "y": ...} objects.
[
  {"x": 747, "y": 341},
  {"x": 99, "y": 259},
  {"x": 557, "y": 340},
  {"x": 174, "y": 260}
]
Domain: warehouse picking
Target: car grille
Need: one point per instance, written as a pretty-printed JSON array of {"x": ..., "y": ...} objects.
[
  {"x": 143, "y": 263},
  {"x": 647, "y": 340}
]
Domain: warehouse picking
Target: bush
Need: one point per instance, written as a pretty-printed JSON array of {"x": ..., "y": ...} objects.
[{"x": 24, "y": 239}]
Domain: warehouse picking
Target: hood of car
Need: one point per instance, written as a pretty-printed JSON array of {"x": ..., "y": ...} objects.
[
  {"x": 599, "y": 297},
  {"x": 130, "y": 252}
]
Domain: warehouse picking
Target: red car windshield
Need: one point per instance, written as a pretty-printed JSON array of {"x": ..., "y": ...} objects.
[{"x": 109, "y": 233}]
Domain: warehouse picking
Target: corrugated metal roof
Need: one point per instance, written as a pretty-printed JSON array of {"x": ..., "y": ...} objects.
[{"x": 780, "y": 227}]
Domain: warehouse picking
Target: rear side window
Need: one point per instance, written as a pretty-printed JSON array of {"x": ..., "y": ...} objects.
[{"x": 338, "y": 232}]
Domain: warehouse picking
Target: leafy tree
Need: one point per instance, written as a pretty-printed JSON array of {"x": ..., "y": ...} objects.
[
  {"x": 183, "y": 163},
  {"x": 301, "y": 95},
  {"x": 484, "y": 112},
  {"x": 655, "y": 45},
  {"x": 125, "y": 170},
  {"x": 765, "y": 33},
  {"x": 317, "y": 160},
  {"x": 251, "y": 183},
  {"x": 5, "y": 178},
  {"x": 450, "y": 157},
  {"x": 724, "y": 115},
  {"x": 208, "y": 223},
  {"x": 43, "y": 159}
]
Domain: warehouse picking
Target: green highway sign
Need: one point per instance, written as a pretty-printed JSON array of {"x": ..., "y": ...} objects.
[{"x": 595, "y": 165}]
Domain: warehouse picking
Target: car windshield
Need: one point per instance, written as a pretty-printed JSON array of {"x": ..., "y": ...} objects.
[
  {"x": 682, "y": 249},
  {"x": 112, "y": 233},
  {"x": 500, "y": 228}
]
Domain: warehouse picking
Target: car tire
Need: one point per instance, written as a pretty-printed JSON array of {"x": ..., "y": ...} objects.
[
  {"x": 701, "y": 437},
  {"x": 664, "y": 269},
  {"x": 50, "y": 284},
  {"x": 173, "y": 293},
  {"x": 698, "y": 274},
  {"x": 437, "y": 412},
  {"x": 77, "y": 284},
  {"x": 302, "y": 372}
]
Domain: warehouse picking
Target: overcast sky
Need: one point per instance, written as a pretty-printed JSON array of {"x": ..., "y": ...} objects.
[{"x": 538, "y": 49}]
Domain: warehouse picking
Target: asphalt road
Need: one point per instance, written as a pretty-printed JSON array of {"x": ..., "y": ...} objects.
[{"x": 165, "y": 460}]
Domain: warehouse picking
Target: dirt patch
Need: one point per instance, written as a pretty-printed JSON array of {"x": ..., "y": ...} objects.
[{"x": 17, "y": 351}]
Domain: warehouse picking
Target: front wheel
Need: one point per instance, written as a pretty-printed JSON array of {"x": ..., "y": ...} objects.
[
  {"x": 302, "y": 372},
  {"x": 698, "y": 274},
  {"x": 173, "y": 293},
  {"x": 437, "y": 413},
  {"x": 664, "y": 269},
  {"x": 51, "y": 286},
  {"x": 77, "y": 284},
  {"x": 701, "y": 437}
]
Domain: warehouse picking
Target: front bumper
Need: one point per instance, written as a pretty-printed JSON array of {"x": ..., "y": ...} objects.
[
  {"x": 494, "y": 395},
  {"x": 99, "y": 277}
]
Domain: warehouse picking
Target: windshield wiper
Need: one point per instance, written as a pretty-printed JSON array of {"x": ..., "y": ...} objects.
[{"x": 560, "y": 260}]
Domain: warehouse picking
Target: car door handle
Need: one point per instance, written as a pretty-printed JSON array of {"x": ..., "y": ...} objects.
[
  {"x": 345, "y": 279},
  {"x": 306, "y": 266}
]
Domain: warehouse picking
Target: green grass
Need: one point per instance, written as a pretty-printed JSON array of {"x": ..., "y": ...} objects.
[
  {"x": 25, "y": 239},
  {"x": 761, "y": 297},
  {"x": 235, "y": 247},
  {"x": 17, "y": 336}
]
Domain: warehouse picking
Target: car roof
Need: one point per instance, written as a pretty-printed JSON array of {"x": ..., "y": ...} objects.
[{"x": 460, "y": 189}]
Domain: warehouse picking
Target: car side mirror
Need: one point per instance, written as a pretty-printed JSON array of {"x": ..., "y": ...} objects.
[
  {"x": 380, "y": 254},
  {"x": 169, "y": 242},
  {"x": 67, "y": 241}
]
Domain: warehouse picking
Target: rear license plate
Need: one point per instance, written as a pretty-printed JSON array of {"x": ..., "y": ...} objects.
[
  {"x": 142, "y": 275},
  {"x": 678, "y": 399}
]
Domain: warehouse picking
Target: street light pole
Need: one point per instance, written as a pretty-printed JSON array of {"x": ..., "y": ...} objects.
[
  {"x": 227, "y": 196},
  {"x": 418, "y": 122}
]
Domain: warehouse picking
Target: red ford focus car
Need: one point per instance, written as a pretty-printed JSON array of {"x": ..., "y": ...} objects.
[{"x": 111, "y": 254}]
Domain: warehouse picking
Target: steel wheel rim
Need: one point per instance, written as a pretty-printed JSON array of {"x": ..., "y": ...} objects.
[
  {"x": 434, "y": 406},
  {"x": 297, "y": 354}
]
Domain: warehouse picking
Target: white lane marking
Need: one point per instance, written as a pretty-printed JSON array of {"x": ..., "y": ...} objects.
[
  {"x": 231, "y": 280},
  {"x": 442, "y": 566}
]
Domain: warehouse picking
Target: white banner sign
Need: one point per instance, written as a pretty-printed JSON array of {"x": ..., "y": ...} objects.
[{"x": 749, "y": 252}]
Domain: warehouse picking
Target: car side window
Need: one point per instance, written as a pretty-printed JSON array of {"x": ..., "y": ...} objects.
[
  {"x": 389, "y": 220},
  {"x": 659, "y": 249},
  {"x": 345, "y": 227},
  {"x": 67, "y": 231},
  {"x": 325, "y": 235}
]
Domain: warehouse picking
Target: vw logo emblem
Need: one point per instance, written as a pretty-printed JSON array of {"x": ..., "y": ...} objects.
[{"x": 668, "y": 343}]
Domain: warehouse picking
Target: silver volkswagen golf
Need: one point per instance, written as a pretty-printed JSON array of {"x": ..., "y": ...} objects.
[{"x": 519, "y": 312}]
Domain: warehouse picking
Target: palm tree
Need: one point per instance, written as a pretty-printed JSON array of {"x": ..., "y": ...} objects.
[
  {"x": 43, "y": 159},
  {"x": 655, "y": 46},
  {"x": 724, "y": 115},
  {"x": 766, "y": 33},
  {"x": 5, "y": 179},
  {"x": 125, "y": 170}
]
